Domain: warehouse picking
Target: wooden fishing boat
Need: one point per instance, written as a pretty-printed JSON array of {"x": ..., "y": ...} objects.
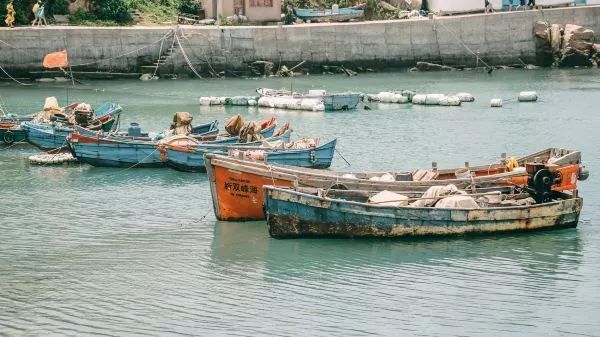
[
  {"x": 332, "y": 102},
  {"x": 205, "y": 128},
  {"x": 334, "y": 14},
  {"x": 228, "y": 206},
  {"x": 106, "y": 151},
  {"x": 54, "y": 136},
  {"x": 295, "y": 214},
  {"x": 190, "y": 158},
  {"x": 102, "y": 150}
]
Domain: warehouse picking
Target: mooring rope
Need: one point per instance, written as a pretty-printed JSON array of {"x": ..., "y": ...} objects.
[
  {"x": 14, "y": 79},
  {"x": 455, "y": 36},
  {"x": 202, "y": 50},
  {"x": 189, "y": 63},
  {"x": 139, "y": 162}
]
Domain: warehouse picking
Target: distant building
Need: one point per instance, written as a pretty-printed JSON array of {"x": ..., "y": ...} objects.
[{"x": 254, "y": 10}]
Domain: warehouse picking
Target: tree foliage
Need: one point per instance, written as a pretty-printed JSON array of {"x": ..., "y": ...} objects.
[{"x": 111, "y": 10}]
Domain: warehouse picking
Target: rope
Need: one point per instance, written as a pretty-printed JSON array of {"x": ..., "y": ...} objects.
[
  {"x": 186, "y": 57},
  {"x": 139, "y": 162},
  {"x": 14, "y": 79},
  {"x": 189, "y": 63},
  {"x": 203, "y": 53},
  {"x": 455, "y": 36}
]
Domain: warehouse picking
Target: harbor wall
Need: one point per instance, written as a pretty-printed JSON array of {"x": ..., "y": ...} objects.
[{"x": 499, "y": 38}]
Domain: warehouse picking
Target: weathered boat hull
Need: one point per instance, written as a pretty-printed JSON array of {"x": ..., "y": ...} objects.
[
  {"x": 292, "y": 214},
  {"x": 238, "y": 195},
  {"x": 191, "y": 159},
  {"x": 46, "y": 137},
  {"x": 233, "y": 202},
  {"x": 105, "y": 152}
]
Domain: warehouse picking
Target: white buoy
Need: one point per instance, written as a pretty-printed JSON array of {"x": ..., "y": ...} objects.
[
  {"x": 465, "y": 97},
  {"x": 450, "y": 101},
  {"x": 51, "y": 159},
  {"x": 496, "y": 103},
  {"x": 419, "y": 99},
  {"x": 528, "y": 96},
  {"x": 433, "y": 99}
]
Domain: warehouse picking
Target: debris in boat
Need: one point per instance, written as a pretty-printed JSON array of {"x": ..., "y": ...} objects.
[
  {"x": 52, "y": 159},
  {"x": 366, "y": 107},
  {"x": 148, "y": 77},
  {"x": 387, "y": 198},
  {"x": 45, "y": 80},
  {"x": 528, "y": 96},
  {"x": 496, "y": 103},
  {"x": 427, "y": 66}
]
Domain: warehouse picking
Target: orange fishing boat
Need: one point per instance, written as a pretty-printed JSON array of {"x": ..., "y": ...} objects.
[{"x": 237, "y": 185}]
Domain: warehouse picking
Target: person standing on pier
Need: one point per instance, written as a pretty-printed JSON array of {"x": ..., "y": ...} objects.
[
  {"x": 522, "y": 5},
  {"x": 488, "y": 7},
  {"x": 41, "y": 14},
  {"x": 531, "y": 4},
  {"x": 510, "y": 5},
  {"x": 10, "y": 14},
  {"x": 35, "y": 10}
]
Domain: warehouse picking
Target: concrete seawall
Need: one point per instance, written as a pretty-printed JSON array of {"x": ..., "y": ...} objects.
[{"x": 499, "y": 38}]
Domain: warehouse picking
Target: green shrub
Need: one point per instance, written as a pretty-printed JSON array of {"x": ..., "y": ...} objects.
[
  {"x": 112, "y": 10},
  {"x": 59, "y": 7},
  {"x": 81, "y": 17},
  {"x": 189, "y": 6}
]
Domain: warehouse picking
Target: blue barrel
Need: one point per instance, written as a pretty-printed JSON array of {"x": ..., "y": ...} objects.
[{"x": 134, "y": 130}]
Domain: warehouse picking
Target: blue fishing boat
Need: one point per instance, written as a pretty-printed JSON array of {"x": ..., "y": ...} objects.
[
  {"x": 191, "y": 159},
  {"x": 204, "y": 129},
  {"x": 333, "y": 14},
  {"x": 120, "y": 151},
  {"x": 99, "y": 150},
  {"x": 51, "y": 136},
  {"x": 294, "y": 213}
]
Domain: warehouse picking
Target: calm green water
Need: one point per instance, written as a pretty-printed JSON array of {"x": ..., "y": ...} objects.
[{"x": 93, "y": 251}]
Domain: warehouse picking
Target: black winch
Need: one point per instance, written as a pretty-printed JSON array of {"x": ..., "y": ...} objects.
[{"x": 540, "y": 182}]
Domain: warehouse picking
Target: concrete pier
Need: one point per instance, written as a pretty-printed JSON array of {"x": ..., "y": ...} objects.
[{"x": 498, "y": 38}]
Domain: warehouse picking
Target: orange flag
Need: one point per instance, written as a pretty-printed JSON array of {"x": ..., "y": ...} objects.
[{"x": 56, "y": 60}]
